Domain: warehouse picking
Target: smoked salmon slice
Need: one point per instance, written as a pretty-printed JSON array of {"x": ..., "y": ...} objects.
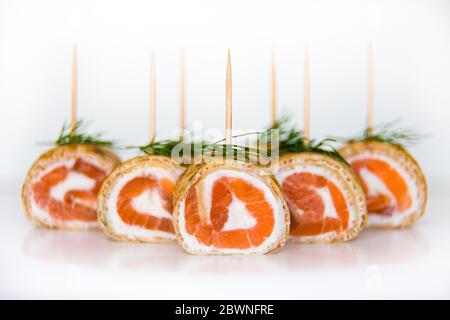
[
  {"x": 303, "y": 191},
  {"x": 393, "y": 182},
  {"x": 62, "y": 186},
  {"x": 324, "y": 197},
  {"x": 135, "y": 201},
  {"x": 229, "y": 208}
]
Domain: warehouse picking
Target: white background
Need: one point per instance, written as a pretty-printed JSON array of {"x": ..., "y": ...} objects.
[{"x": 114, "y": 39}]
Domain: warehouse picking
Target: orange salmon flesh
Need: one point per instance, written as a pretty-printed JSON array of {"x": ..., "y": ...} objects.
[
  {"x": 207, "y": 227},
  {"x": 380, "y": 203},
  {"x": 135, "y": 188},
  {"x": 307, "y": 206},
  {"x": 77, "y": 204}
]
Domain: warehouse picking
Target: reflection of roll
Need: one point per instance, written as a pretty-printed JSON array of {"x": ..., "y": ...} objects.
[
  {"x": 61, "y": 188},
  {"x": 81, "y": 248},
  {"x": 394, "y": 184},
  {"x": 229, "y": 208},
  {"x": 135, "y": 201},
  {"x": 325, "y": 199}
]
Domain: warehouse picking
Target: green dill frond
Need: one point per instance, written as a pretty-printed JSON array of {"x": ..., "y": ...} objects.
[
  {"x": 68, "y": 136},
  {"x": 233, "y": 151},
  {"x": 158, "y": 148},
  {"x": 166, "y": 147},
  {"x": 388, "y": 132},
  {"x": 292, "y": 140},
  {"x": 279, "y": 139},
  {"x": 187, "y": 151}
]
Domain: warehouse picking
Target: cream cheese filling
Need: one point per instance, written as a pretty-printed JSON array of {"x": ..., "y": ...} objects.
[
  {"x": 238, "y": 216},
  {"x": 150, "y": 202},
  {"x": 74, "y": 181}
]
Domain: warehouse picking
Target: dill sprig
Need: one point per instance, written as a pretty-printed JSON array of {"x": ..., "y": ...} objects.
[
  {"x": 158, "y": 148},
  {"x": 279, "y": 139},
  {"x": 187, "y": 151},
  {"x": 165, "y": 147},
  {"x": 233, "y": 151},
  {"x": 68, "y": 136},
  {"x": 388, "y": 132},
  {"x": 292, "y": 140}
]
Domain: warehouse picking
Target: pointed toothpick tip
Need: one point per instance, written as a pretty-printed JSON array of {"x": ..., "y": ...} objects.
[
  {"x": 306, "y": 96},
  {"x": 182, "y": 91},
  {"x": 74, "y": 91},
  {"x": 274, "y": 86},
  {"x": 152, "y": 55},
  {"x": 370, "y": 88},
  {"x": 306, "y": 54},
  {"x": 152, "y": 96},
  {"x": 228, "y": 101}
]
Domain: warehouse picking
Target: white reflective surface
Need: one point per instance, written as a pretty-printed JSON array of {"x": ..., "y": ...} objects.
[{"x": 40, "y": 263}]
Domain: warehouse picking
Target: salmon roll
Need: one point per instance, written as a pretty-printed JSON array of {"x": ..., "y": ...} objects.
[
  {"x": 136, "y": 200},
  {"x": 61, "y": 188},
  {"x": 395, "y": 187},
  {"x": 325, "y": 199},
  {"x": 230, "y": 207}
]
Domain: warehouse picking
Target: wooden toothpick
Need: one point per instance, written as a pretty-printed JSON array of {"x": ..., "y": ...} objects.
[
  {"x": 370, "y": 89},
  {"x": 228, "y": 102},
  {"x": 74, "y": 92},
  {"x": 306, "y": 96},
  {"x": 182, "y": 93},
  {"x": 152, "y": 97},
  {"x": 274, "y": 87}
]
